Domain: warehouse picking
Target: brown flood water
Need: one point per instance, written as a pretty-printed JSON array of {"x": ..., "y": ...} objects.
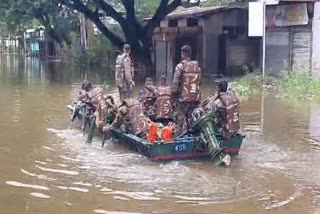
[{"x": 46, "y": 167}]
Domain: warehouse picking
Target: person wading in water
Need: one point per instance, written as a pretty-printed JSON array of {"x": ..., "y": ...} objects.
[{"x": 124, "y": 73}]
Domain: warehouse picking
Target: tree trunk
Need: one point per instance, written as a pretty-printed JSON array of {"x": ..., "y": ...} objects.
[{"x": 139, "y": 37}]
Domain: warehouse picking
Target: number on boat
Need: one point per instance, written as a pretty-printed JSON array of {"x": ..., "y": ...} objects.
[{"x": 181, "y": 147}]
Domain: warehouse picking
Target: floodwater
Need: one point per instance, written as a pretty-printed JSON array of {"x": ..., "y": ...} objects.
[{"x": 46, "y": 167}]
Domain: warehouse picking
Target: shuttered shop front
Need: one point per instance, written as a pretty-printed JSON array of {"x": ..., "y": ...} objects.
[
  {"x": 301, "y": 47},
  {"x": 277, "y": 49}
]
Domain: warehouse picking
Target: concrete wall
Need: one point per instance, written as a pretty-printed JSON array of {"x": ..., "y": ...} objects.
[{"x": 212, "y": 28}]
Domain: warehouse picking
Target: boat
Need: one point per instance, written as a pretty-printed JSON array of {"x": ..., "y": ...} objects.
[{"x": 184, "y": 147}]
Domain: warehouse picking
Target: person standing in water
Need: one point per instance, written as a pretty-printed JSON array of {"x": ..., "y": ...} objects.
[
  {"x": 186, "y": 88},
  {"x": 124, "y": 73}
]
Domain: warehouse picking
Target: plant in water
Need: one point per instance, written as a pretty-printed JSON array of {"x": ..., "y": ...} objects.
[
  {"x": 299, "y": 83},
  {"x": 247, "y": 84}
]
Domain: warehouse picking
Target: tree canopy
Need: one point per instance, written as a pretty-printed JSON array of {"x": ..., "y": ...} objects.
[{"x": 128, "y": 14}]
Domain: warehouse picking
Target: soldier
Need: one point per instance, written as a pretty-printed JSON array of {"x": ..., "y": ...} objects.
[
  {"x": 106, "y": 111},
  {"x": 124, "y": 73},
  {"x": 86, "y": 86},
  {"x": 90, "y": 95},
  {"x": 130, "y": 114},
  {"x": 94, "y": 96},
  {"x": 186, "y": 88},
  {"x": 148, "y": 96},
  {"x": 163, "y": 105},
  {"x": 226, "y": 104}
]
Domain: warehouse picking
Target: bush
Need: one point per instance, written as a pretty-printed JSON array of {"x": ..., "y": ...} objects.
[
  {"x": 299, "y": 83},
  {"x": 247, "y": 84}
]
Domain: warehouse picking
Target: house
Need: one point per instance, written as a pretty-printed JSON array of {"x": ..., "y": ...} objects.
[
  {"x": 38, "y": 44},
  {"x": 217, "y": 36},
  {"x": 292, "y": 36}
]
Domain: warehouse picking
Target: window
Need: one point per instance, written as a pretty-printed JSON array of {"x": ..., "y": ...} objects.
[
  {"x": 192, "y": 22},
  {"x": 173, "y": 23}
]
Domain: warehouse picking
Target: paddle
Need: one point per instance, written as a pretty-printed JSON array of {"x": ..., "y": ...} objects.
[
  {"x": 85, "y": 119},
  {"x": 103, "y": 139},
  {"x": 91, "y": 130},
  {"x": 72, "y": 116}
]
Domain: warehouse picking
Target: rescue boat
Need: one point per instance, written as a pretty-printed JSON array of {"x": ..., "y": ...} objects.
[{"x": 187, "y": 146}]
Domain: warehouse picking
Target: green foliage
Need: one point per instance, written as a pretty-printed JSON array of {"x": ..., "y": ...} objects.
[
  {"x": 299, "y": 84},
  {"x": 247, "y": 84},
  {"x": 208, "y": 3},
  {"x": 98, "y": 55},
  {"x": 100, "y": 48}
]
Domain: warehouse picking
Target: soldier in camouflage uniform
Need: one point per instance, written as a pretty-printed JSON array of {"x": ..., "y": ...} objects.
[
  {"x": 186, "y": 88},
  {"x": 124, "y": 73},
  {"x": 90, "y": 95},
  {"x": 130, "y": 114},
  {"x": 226, "y": 104},
  {"x": 163, "y": 105},
  {"x": 106, "y": 111},
  {"x": 86, "y": 86},
  {"x": 148, "y": 96}
]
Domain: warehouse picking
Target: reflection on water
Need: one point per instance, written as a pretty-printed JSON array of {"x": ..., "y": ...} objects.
[{"x": 46, "y": 167}]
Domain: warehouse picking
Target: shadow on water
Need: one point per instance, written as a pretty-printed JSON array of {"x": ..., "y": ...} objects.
[{"x": 46, "y": 167}]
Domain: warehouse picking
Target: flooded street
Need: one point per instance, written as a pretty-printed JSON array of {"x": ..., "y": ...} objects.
[{"x": 47, "y": 168}]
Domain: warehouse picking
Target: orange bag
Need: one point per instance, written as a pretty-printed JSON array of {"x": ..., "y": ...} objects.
[
  {"x": 152, "y": 134},
  {"x": 167, "y": 133}
]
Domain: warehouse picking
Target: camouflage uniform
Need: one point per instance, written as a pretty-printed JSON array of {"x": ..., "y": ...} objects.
[
  {"x": 226, "y": 104},
  {"x": 186, "y": 85},
  {"x": 124, "y": 76},
  {"x": 148, "y": 95},
  {"x": 163, "y": 105},
  {"x": 106, "y": 111},
  {"x": 92, "y": 97},
  {"x": 130, "y": 114}
]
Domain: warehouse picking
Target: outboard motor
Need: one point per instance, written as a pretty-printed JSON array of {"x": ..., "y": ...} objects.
[{"x": 204, "y": 123}]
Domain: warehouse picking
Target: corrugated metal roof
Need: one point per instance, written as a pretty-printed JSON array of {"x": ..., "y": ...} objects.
[{"x": 181, "y": 12}]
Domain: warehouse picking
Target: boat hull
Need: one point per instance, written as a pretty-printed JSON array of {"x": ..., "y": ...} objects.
[{"x": 181, "y": 148}]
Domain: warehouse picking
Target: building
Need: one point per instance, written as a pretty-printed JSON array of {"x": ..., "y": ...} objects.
[
  {"x": 38, "y": 44},
  {"x": 217, "y": 35},
  {"x": 220, "y": 42},
  {"x": 292, "y": 36}
]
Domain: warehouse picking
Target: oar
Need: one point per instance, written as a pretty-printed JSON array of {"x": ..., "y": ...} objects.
[
  {"x": 72, "y": 115},
  {"x": 103, "y": 139},
  {"x": 84, "y": 120},
  {"x": 91, "y": 130}
]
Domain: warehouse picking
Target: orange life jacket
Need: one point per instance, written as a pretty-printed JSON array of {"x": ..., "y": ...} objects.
[
  {"x": 167, "y": 133},
  {"x": 152, "y": 133}
]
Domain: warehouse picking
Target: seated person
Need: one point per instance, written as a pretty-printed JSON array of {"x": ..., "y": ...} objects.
[
  {"x": 226, "y": 105},
  {"x": 163, "y": 105},
  {"x": 147, "y": 96},
  {"x": 106, "y": 111},
  {"x": 130, "y": 114},
  {"x": 86, "y": 86}
]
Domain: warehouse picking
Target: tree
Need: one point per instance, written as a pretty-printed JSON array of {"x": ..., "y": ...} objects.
[
  {"x": 20, "y": 15},
  {"x": 128, "y": 14},
  {"x": 124, "y": 12}
]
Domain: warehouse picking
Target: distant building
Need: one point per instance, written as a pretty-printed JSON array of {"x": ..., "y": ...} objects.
[{"x": 38, "y": 44}]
